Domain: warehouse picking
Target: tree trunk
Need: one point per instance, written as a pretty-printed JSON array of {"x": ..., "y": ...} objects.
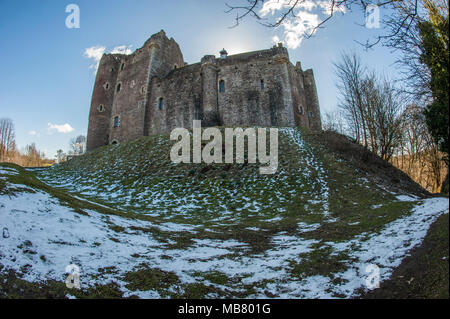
[{"x": 444, "y": 186}]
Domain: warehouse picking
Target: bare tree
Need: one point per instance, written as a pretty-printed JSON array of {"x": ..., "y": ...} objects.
[
  {"x": 334, "y": 121},
  {"x": 78, "y": 145},
  {"x": 60, "y": 156},
  {"x": 33, "y": 157},
  {"x": 350, "y": 73},
  {"x": 290, "y": 9},
  {"x": 418, "y": 155},
  {"x": 7, "y": 139},
  {"x": 400, "y": 28},
  {"x": 403, "y": 35},
  {"x": 371, "y": 106},
  {"x": 387, "y": 118}
]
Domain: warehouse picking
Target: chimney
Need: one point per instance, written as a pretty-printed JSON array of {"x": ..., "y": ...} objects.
[{"x": 223, "y": 54}]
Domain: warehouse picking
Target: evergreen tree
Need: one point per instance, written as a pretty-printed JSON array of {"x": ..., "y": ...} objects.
[{"x": 435, "y": 41}]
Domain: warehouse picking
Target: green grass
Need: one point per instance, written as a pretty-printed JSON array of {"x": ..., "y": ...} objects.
[
  {"x": 320, "y": 261},
  {"x": 148, "y": 188},
  {"x": 144, "y": 172}
]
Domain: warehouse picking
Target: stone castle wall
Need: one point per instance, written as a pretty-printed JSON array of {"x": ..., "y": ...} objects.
[{"x": 152, "y": 91}]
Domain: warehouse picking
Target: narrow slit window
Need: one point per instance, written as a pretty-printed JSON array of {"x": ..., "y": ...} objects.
[
  {"x": 116, "y": 121},
  {"x": 222, "y": 86},
  {"x": 161, "y": 103},
  {"x": 119, "y": 86},
  {"x": 262, "y": 85}
]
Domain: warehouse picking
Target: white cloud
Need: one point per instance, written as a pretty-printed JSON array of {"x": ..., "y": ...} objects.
[
  {"x": 307, "y": 17},
  {"x": 63, "y": 128},
  {"x": 33, "y": 133},
  {"x": 276, "y": 39},
  {"x": 296, "y": 29},
  {"x": 122, "y": 49},
  {"x": 96, "y": 52}
]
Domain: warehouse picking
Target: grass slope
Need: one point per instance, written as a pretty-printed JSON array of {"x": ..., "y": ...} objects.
[{"x": 222, "y": 230}]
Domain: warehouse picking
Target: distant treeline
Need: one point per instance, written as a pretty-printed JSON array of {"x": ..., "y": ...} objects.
[{"x": 29, "y": 157}]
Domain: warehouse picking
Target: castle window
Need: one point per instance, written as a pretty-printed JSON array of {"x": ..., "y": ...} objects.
[
  {"x": 175, "y": 67},
  {"x": 122, "y": 66},
  {"x": 101, "y": 108},
  {"x": 114, "y": 142},
  {"x": 119, "y": 86},
  {"x": 222, "y": 86},
  {"x": 106, "y": 86},
  {"x": 116, "y": 121},
  {"x": 161, "y": 103},
  {"x": 143, "y": 89},
  {"x": 262, "y": 85},
  {"x": 300, "y": 109},
  {"x": 310, "y": 115}
]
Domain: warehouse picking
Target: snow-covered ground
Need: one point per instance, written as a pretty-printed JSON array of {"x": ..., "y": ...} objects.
[
  {"x": 39, "y": 226},
  {"x": 41, "y": 237}
]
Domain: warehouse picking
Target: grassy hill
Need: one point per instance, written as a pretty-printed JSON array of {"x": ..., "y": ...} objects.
[{"x": 138, "y": 225}]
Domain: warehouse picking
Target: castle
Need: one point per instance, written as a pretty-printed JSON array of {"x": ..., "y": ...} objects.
[{"x": 153, "y": 91}]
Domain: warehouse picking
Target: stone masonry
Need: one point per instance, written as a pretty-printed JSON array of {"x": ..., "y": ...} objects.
[{"x": 153, "y": 91}]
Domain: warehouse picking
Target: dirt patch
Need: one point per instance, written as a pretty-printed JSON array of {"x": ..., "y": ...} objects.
[{"x": 425, "y": 273}]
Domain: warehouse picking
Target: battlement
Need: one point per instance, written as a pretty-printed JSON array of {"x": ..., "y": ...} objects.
[{"x": 153, "y": 91}]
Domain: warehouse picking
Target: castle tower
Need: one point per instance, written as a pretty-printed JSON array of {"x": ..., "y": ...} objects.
[
  {"x": 285, "y": 112},
  {"x": 210, "y": 87},
  {"x": 102, "y": 102},
  {"x": 315, "y": 122},
  {"x": 120, "y": 101}
]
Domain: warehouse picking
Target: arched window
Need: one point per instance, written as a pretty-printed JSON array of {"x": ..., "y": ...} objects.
[
  {"x": 262, "y": 85},
  {"x": 114, "y": 142},
  {"x": 119, "y": 86},
  {"x": 161, "y": 103},
  {"x": 101, "y": 108},
  {"x": 222, "y": 86}
]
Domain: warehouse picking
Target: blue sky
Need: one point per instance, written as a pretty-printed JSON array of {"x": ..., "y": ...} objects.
[{"x": 46, "y": 80}]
